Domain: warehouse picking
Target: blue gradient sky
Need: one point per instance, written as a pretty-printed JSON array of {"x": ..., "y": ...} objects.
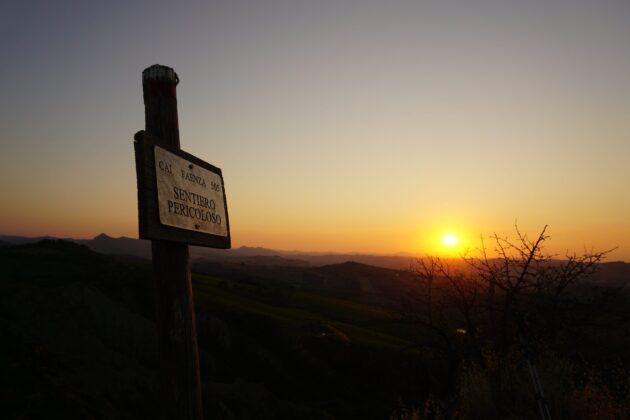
[{"x": 340, "y": 125}]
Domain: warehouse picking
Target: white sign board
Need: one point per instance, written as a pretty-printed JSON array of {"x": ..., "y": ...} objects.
[{"x": 189, "y": 196}]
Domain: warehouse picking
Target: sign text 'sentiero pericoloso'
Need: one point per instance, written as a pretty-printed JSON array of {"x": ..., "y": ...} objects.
[{"x": 190, "y": 197}]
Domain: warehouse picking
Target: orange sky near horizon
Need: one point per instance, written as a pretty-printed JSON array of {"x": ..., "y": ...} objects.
[{"x": 371, "y": 127}]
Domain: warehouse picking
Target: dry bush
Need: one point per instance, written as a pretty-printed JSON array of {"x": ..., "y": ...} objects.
[{"x": 495, "y": 320}]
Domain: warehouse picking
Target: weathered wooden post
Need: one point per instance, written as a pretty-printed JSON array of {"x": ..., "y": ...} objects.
[{"x": 181, "y": 200}]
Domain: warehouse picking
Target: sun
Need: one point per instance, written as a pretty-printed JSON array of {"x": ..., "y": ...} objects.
[{"x": 450, "y": 240}]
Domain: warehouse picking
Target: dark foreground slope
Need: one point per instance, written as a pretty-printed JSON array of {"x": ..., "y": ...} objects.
[
  {"x": 79, "y": 342},
  {"x": 281, "y": 339},
  {"x": 76, "y": 338}
]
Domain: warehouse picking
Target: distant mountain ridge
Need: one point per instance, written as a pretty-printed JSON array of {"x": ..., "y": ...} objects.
[
  {"x": 260, "y": 256},
  {"x": 123, "y": 245}
]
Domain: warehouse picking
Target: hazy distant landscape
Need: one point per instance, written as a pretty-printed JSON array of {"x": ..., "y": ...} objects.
[{"x": 141, "y": 248}]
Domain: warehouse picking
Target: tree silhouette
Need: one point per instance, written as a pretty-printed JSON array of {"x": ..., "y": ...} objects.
[{"x": 481, "y": 302}]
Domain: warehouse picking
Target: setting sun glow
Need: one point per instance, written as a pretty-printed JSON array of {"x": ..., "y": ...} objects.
[{"x": 449, "y": 240}]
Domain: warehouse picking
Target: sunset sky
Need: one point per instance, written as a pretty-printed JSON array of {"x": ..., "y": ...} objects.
[{"x": 358, "y": 125}]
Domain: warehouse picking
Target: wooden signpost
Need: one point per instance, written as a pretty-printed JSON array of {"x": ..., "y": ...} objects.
[{"x": 181, "y": 201}]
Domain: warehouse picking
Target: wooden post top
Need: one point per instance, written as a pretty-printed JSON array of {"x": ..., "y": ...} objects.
[
  {"x": 159, "y": 89},
  {"x": 160, "y": 73}
]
